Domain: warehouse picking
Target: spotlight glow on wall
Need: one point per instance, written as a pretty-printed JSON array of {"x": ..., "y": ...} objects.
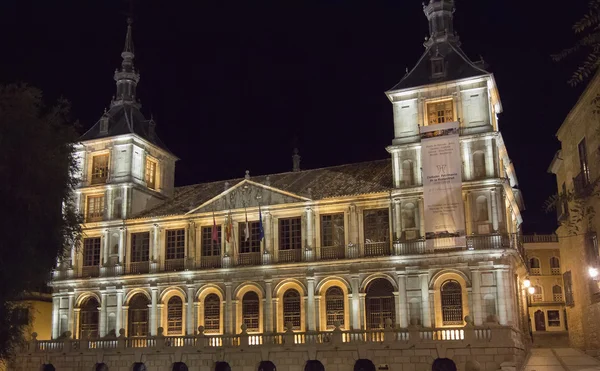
[
  {"x": 527, "y": 283},
  {"x": 593, "y": 272},
  {"x": 531, "y": 290}
]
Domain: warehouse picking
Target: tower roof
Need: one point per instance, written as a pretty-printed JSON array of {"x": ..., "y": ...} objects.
[
  {"x": 443, "y": 59},
  {"x": 124, "y": 115}
]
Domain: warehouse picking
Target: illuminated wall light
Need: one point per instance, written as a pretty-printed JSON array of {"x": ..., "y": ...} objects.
[
  {"x": 593, "y": 272},
  {"x": 527, "y": 283},
  {"x": 531, "y": 290}
]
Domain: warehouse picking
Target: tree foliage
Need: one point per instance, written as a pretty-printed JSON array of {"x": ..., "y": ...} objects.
[
  {"x": 588, "y": 30},
  {"x": 39, "y": 220}
]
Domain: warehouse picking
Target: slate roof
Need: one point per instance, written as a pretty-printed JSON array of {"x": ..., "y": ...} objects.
[
  {"x": 125, "y": 119},
  {"x": 316, "y": 184},
  {"x": 457, "y": 65}
]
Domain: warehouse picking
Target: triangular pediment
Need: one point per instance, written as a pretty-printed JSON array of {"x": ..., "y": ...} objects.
[{"x": 248, "y": 194}]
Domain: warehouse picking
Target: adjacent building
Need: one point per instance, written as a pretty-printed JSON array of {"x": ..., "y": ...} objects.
[
  {"x": 577, "y": 172},
  {"x": 547, "y": 300},
  {"x": 302, "y": 269}
]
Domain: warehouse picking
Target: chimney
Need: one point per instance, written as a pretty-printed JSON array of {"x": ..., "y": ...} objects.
[{"x": 296, "y": 161}]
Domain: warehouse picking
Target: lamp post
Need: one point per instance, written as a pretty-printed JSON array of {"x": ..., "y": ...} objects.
[{"x": 529, "y": 291}]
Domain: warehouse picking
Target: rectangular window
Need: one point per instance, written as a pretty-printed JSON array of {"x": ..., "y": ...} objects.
[
  {"x": 91, "y": 252},
  {"x": 553, "y": 318},
  {"x": 437, "y": 67},
  {"x": 440, "y": 112},
  {"x": 175, "y": 244},
  {"x": 95, "y": 208},
  {"x": 568, "y": 288},
  {"x": 290, "y": 234},
  {"x": 583, "y": 162},
  {"x": 150, "y": 173},
  {"x": 210, "y": 247},
  {"x": 376, "y": 224},
  {"x": 252, "y": 243},
  {"x": 332, "y": 230},
  {"x": 140, "y": 247},
  {"x": 99, "y": 169}
]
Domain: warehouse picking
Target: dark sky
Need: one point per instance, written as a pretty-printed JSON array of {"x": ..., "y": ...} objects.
[{"x": 233, "y": 83}]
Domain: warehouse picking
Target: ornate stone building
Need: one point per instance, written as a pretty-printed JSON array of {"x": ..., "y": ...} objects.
[{"x": 302, "y": 268}]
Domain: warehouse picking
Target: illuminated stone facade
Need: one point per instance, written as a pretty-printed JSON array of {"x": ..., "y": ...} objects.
[
  {"x": 577, "y": 172},
  {"x": 343, "y": 271}
]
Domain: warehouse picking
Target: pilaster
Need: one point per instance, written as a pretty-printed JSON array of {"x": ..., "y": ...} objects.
[
  {"x": 191, "y": 323},
  {"x": 311, "y": 304},
  {"x": 402, "y": 301},
  {"x": 153, "y": 312},
  {"x": 476, "y": 291},
  {"x": 424, "y": 277}
]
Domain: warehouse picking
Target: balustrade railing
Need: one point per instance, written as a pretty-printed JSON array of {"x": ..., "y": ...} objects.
[
  {"x": 536, "y": 238},
  {"x": 336, "y": 337},
  {"x": 377, "y": 248},
  {"x": 290, "y": 256},
  {"x": 352, "y": 251},
  {"x": 332, "y": 252}
]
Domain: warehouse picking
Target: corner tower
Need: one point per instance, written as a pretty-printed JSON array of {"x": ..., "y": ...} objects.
[
  {"x": 124, "y": 167},
  {"x": 445, "y": 86}
]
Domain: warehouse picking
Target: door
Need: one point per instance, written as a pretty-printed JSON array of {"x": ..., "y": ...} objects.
[{"x": 540, "y": 321}]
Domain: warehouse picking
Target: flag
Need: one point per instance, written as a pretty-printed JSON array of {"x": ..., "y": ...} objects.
[
  {"x": 246, "y": 229},
  {"x": 260, "y": 225},
  {"x": 215, "y": 234},
  {"x": 228, "y": 228}
]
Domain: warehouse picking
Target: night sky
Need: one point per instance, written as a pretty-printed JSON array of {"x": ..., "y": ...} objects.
[{"x": 236, "y": 85}]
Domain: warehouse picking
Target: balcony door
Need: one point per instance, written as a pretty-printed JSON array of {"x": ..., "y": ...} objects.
[{"x": 380, "y": 304}]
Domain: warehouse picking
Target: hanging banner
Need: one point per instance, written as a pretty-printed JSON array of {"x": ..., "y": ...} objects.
[{"x": 442, "y": 186}]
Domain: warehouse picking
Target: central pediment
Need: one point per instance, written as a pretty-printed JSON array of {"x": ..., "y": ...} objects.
[{"x": 247, "y": 194}]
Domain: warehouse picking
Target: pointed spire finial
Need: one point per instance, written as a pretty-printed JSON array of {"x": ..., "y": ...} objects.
[
  {"x": 296, "y": 160},
  {"x": 128, "y": 48}
]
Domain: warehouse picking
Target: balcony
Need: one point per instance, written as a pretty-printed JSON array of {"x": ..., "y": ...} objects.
[
  {"x": 540, "y": 238},
  {"x": 332, "y": 252},
  {"x": 535, "y": 271},
  {"x": 377, "y": 248},
  {"x": 581, "y": 185},
  {"x": 290, "y": 256},
  {"x": 354, "y": 251}
]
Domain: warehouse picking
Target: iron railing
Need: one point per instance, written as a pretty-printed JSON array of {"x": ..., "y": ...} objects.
[{"x": 332, "y": 252}]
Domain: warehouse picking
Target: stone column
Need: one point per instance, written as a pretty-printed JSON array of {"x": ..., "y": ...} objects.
[
  {"x": 122, "y": 231},
  {"x": 424, "y": 277},
  {"x": 311, "y": 305},
  {"x": 476, "y": 290},
  {"x": 355, "y": 309},
  {"x": 102, "y": 319},
  {"x": 55, "y": 317},
  {"x": 268, "y": 219},
  {"x": 119, "y": 319},
  {"x": 467, "y": 162},
  {"x": 397, "y": 169},
  {"x": 108, "y": 207},
  {"x": 309, "y": 248},
  {"x": 155, "y": 258},
  {"x": 468, "y": 216},
  {"x": 362, "y": 298},
  {"x": 402, "y": 303},
  {"x": 191, "y": 323},
  {"x": 353, "y": 225},
  {"x": 70, "y": 314},
  {"x": 494, "y": 210},
  {"x": 228, "y": 309},
  {"x": 421, "y": 217},
  {"x": 106, "y": 246},
  {"x": 489, "y": 158},
  {"x": 318, "y": 310},
  {"x": 398, "y": 218},
  {"x": 268, "y": 306},
  {"x": 76, "y": 315},
  {"x": 125, "y": 202},
  {"x": 153, "y": 312},
  {"x": 500, "y": 289}
]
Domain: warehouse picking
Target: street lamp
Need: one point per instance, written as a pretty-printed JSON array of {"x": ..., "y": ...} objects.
[{"x": 530, "y": 291}]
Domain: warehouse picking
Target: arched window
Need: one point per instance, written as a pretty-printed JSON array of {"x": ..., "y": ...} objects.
[
  {"x": 291, "y": 308},
  {"x": 334, "y": 307},
  {"x": 408, "y": 173},
  {"x": 88, "y": 318},
  {"x": 408, "y": 215},
  {"x": 101, "y": 367},
  {"x": 380, "y": 303},
  {"x": 174, "y": 316},
  {"x": 478, "y": 165},
  {"x": 139, "y": 366},
  {"x": 414, "y": 311},
  {"x": 557, "y": 294},
  {"x": 179, "y": 366},
  {"x": 534, "y": 266},
  {"x": 251, "y": 311},
  {"x": 222, "y": 366},
  {"x": 212, "y": 314},
  {"x": 138, "y": 316},
  {"x": 266, "y": 366},
  {"x": 554, "y": 265},
  {"x": 482, "y": 209},
  {"x": 48, "y": 367},
  {"x": 452, "y": 310},
  {"x": 364, "y": 365},
  {"x": 489, "y": 307},
  {"x": 537, "y": 295},
  {"x": 314, "y": 365}
]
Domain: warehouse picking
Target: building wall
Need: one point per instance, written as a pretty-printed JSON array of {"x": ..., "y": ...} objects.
[{"x": 582, "y": 122}]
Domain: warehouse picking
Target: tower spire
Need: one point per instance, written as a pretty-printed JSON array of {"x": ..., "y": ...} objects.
[
  {"x": 127, "y": 78},
  {"x": 440, "y": 14}
]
